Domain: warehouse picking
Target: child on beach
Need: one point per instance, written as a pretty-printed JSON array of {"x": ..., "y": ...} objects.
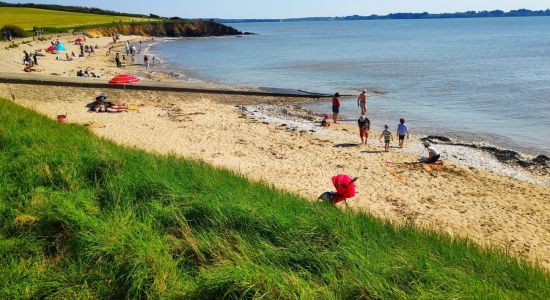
[
  {"x": 387, "y": 138},
  {"x": 402, "y": 131},
  {"x": 364, "y": 127},
  {"x": 336, "y": 107},
  {"x": 326, "y": 121}
]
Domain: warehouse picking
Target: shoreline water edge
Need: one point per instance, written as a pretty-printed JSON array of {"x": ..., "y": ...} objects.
[
  {"x": 529, "y": 168},
  {"x": 483, "y": 155}
]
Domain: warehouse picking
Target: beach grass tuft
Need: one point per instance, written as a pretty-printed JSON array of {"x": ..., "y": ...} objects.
[{"x": 81, "y": 217}]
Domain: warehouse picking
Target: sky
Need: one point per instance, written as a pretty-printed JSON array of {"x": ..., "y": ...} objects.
[{"x": 252, "y": 9}]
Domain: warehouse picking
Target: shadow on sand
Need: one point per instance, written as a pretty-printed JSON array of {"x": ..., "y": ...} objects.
[
  {"x": 372, "y": 151},
  {"x": 346, "y": 145}
]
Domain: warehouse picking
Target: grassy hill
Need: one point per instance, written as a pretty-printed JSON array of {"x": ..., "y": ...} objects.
[
  {"x": 29, "y": 17},
  {"x": 81, "y": 217}
]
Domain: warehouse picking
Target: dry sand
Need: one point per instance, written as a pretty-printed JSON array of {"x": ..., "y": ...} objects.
[
  {"x": 99, "y": 63},
  {"x": 491, "y": 208},
  {"x": 488, "y": 207}
]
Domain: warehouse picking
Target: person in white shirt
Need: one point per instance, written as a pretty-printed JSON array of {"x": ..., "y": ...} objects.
[{"x": 433, "y": 155}]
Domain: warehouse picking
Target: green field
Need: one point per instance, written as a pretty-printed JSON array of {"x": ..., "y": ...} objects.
[
  {"x": 27, "y": 18},
  {"x": 83, "y": 218}
]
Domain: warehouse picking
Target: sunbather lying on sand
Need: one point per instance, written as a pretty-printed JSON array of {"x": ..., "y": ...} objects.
[
  {"x": 117, "y": 107},
  {"x": 29, "y": 68},
  {"x": 100, "y": 105}
]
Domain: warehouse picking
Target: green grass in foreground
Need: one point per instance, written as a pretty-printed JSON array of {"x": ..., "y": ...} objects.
[
  {"x": 29, "y": 17},
  {"x": 83, "y": 218}
]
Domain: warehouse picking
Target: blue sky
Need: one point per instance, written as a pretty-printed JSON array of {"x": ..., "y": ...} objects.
[{"x": 295, "y": 8}]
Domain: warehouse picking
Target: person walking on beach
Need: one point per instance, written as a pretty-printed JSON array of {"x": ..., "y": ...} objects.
[
  {"x": 402, "y": 131},
  {"x": 117, "y": 60},
  {"x": 335, "y": 107},
  {"x": 26, "y": 58},
  {"x": 146, "y": 61},
  {"x": 387, "y": 138},
  {"x": 433, "y": 155},
  {"x": 364, "y": 127},
  {"x": 362, "y": 102}
]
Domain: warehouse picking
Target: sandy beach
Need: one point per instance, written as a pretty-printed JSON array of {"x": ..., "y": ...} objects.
[{"x": 492, "y": 203}]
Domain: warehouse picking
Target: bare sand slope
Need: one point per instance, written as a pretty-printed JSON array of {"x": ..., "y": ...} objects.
[{"x": 488, "y": 207}]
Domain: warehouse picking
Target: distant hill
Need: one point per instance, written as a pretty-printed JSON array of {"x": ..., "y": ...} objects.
[
  {"x": 77, "y": 9},
  {"x": 424, "y": 15}
]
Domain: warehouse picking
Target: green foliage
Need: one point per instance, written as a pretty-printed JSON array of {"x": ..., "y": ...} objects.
[
  {"x": 81, "y": 217},
  {"x": 15, "y": 30},
  {"x": 27, "y": 18},
  {"x": 76, "y": 9}
]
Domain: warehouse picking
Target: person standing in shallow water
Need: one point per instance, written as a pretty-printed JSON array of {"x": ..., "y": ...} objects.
[
  {"x": 362, "y": 102},
  {"x": 335, "y": 107}
]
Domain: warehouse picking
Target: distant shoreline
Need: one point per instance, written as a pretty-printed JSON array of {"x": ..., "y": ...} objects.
[{"x": 406, "y": 16}]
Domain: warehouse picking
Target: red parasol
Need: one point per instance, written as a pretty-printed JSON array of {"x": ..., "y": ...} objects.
[
  {"x": 78, "y": 41},
  {"x": 345, "y": 187},
  {"x": 51, "y": 48},
  {"x": 124, "y": 79}
]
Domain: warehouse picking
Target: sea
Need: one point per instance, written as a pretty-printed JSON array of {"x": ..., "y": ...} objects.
[{"x": 483, "y": 80}]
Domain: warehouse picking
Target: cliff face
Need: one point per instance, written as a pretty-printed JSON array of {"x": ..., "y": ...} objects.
[{"x": 165, "y": 29}]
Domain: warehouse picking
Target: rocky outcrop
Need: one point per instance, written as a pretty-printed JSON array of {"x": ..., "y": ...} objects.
[{"x": 165, "y": 29}]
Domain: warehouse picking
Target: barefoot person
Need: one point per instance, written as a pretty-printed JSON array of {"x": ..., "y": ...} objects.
[
  {"x": 402, "y": 131},
  {"x": 362, "y": 102},
  {"x": 364, "y": 127},
  {"x": 387, "y": 138},
  {"x": 433, "y": 155},
  {"x": 335, "y": 107},
  {"x": 326, "y": 121}
]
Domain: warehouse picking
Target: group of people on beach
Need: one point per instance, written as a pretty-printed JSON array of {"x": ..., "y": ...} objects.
[
  {"x": 38, "y": 32},
  {"x": 30, "y": 60},
  {"x": 131, "y": 51},
  {"x": 364, "y": 125}
]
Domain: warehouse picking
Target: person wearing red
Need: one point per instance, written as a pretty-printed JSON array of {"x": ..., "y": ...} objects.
[
  {"x": 364, "y": 128},
  {"x": 335, "y": 107}
]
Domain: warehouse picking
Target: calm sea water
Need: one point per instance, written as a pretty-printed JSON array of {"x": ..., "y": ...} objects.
[{"x": 476, "y": 79}]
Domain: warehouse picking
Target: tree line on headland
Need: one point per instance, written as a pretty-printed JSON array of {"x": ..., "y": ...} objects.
[{"x": 423, "y": 15}]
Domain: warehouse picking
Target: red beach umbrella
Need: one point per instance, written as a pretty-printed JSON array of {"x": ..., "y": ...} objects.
[
  {"x": 51, "y": 48},
  {"x": 78, "y": 41},
  {"x": 124, "y": 79},
  {"x": 345, "y": 187}
]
